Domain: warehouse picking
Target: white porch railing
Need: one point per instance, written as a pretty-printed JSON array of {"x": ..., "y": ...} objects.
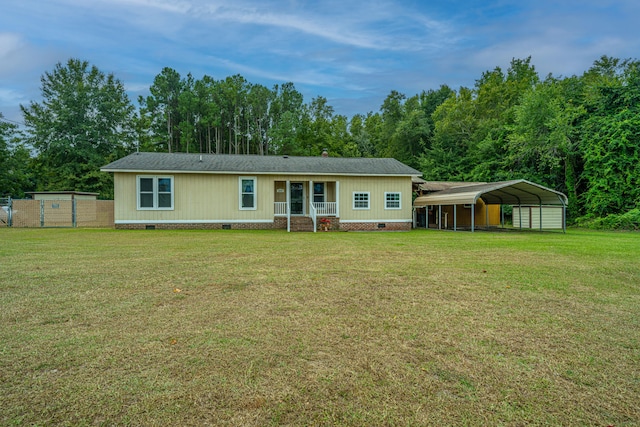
[
  {"x": 325, "y": 208},
  {"x": 280, "y": 208},
  {"x": 314, "y": 215},
  {"x": 321, "y": 208}
]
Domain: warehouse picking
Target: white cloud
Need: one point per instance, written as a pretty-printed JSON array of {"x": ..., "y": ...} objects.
[{"x": 19, "y": 59}]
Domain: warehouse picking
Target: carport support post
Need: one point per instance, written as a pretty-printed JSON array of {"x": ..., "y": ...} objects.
[
  {"x": 540, "y": 216},
  {"x": 455, "y": 217},
  {"x": 520, "y": 212},
  {"x": 486, "y": 215},
  {"x": 502, "y": 216},
  {"x": 473, "y": 217},
  {"x": 439, "y": 217}
]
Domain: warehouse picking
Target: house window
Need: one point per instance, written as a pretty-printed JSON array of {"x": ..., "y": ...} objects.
[
  {"x": 247, "y": 193},
  {"x": 360, "y": 200},
  {"x": 155, "y": 192},
  {"x": 318, "y": 192},
  {"x": 392, "y": 200}
]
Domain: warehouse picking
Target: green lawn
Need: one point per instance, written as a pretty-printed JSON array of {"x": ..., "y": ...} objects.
[{"x": 259, "y": 328}]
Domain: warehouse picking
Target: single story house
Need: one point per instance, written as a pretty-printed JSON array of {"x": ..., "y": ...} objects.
[{"x": 178, "y": 190}]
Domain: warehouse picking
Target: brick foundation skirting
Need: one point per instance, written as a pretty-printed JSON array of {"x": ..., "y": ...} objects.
[
  {"x": 375, "y": 226},
  {"x": 278, "y": 223}
]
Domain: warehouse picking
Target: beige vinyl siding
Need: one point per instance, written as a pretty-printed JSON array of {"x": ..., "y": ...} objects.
[
  {"x": 213, "y": 197},
  {"x": 197, "y": 197},
  {"x": 376, "y": 187}
]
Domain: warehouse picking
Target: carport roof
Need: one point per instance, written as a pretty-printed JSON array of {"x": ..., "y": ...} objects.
[{"x": 516, "y": 192}]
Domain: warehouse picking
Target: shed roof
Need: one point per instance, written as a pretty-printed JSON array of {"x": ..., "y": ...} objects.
[
  {"x": 516, "y": 192},
  {"x": 78, "y": 193},
  {"x": 254, "y": 164}
]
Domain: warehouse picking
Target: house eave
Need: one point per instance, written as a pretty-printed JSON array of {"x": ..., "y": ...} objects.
[{"x": 160, "y": 172}]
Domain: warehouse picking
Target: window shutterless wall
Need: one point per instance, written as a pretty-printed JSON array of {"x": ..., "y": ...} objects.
[{"x": 205, "y": 197}]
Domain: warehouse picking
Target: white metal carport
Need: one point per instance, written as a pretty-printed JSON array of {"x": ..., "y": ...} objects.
[{"x": 517, "y": 193}]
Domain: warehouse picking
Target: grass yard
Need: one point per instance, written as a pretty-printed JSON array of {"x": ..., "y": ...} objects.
[{"x": 260, "y": 328}]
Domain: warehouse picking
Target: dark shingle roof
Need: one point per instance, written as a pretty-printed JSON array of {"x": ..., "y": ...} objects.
[{"x": 230, "y": 163}]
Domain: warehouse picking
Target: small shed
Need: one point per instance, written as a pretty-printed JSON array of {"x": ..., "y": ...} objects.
[
  {"x": 518, "y": 193},
  {"x": 552, "y": 217}
]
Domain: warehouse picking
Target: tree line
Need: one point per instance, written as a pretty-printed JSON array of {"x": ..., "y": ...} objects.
[{"x": 578, "y": 134}]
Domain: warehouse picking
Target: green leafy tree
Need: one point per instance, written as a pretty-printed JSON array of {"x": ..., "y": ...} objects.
[
  {"x": 455, "y": 123},
  {"x": 161, "y": 111},
  {"x": 544, "y": 141},
  {"x": 285, "y": 119},
  {"x": 496, "y": 95},
  {"x": 611, "y": 136},
  {"x": 84, "y": 121},
  {"x": 16, "y": 177}
]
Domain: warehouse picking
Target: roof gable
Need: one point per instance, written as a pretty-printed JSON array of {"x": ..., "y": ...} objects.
[{"x": 254, "y": 164}]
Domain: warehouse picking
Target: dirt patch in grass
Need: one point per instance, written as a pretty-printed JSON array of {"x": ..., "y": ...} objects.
[{"x": 104, "y": 327}]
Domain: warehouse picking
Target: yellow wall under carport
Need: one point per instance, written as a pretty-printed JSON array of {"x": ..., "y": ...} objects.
[{"x": 463, "y": 215}]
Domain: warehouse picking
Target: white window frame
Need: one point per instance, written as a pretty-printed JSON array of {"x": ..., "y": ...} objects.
[
  {"x": 386, "y": 200},
  {"x": 323, "y": 194},
  {"x": 368, "y": 197},
  {"x": 241, "y": 193},
  {"x": 155, "y": 192}
]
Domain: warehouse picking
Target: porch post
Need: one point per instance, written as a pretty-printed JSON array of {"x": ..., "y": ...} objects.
[
  {"x": 439, "y": 217},
  {"x": 312, "y": 208},
  {"x": 288, "y": 205}
]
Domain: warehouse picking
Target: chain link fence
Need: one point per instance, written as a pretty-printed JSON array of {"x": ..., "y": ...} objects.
[{"x": 56, "y": 213}]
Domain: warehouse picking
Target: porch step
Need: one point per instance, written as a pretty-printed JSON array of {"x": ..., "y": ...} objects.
[{"x": 301, "y": 223}]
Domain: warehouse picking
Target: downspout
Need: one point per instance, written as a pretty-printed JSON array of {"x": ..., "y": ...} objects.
[{"x": 337, "y": 199}]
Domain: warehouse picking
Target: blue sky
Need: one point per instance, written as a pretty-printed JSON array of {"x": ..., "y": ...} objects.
[{"x": 352, "y": 52}]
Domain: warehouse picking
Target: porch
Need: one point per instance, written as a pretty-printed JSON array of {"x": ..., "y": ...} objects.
[{"x": 308, "y": 199}]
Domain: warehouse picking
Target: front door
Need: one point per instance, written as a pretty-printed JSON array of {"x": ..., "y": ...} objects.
[{"x": 297, "y": 198}]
